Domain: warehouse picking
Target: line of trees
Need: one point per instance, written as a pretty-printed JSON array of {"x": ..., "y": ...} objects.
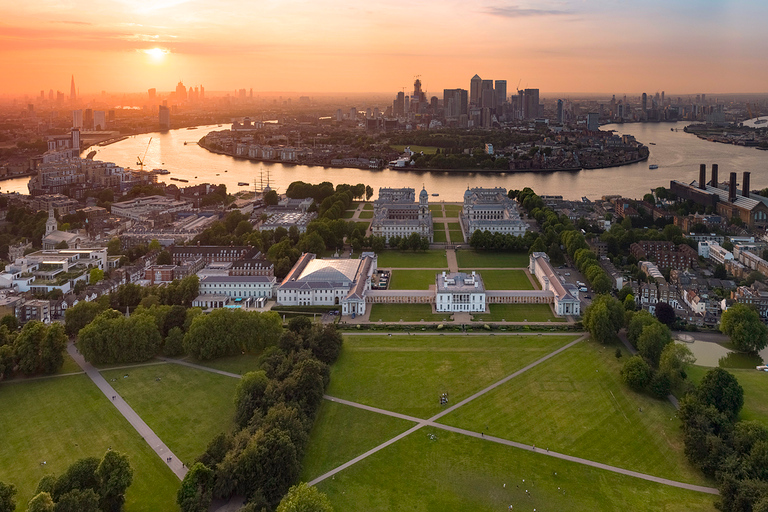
[
  {"x": 38, "y": 349},
  {"x": 88, "y": 485},
  {"x": 275, "y": 408}
]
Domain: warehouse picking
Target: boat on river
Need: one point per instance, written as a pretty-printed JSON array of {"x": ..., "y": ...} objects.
[
  {"x": 242, "y": 183},
  {"x": 180, "y": 179},
  {"x": 653, "y": 166}
]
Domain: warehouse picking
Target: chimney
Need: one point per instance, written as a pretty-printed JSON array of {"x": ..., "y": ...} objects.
[
  {"x": 714, "y": 175},
  {"x": 732, "y": 188},
  {"x": 702, "y": 176},
  {"x": 745, "y": 184}
]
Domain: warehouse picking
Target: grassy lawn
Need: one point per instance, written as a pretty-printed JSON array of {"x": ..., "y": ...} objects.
[
  {"x": 406, "y": 313},
  {"x": 475, "y": 259},
  {"x": 363, "y": 226},
  {"x": 454, "y": 226},
  {"x": 754, "y": 383},
  {"x": 518, "y": 313},
  {"x": 412, "y": 279},
  {"x": 349, "y": 214},
  {"x": 69, "y": 366},
  {"x": 504, "y": 279},
  {"x": 407, "y": 374},
  {"x": 438, "y": 225},
  {"x": 233, "y": 364},
  {"x": 456, "y": 236},
  {"x": 61, "y": 420},
  {"x": 427, "y": 150},
  {"x": 452, "y": 210},
  {"x": 341, "y": 433},
  {"x": 368, "y": 206},
  {"x": 186, "y": 407},
  {"x": 439, "y": 236},
  {"x": 365, "y": 214},
  {"x": 408, "y": 259},
  {"x": 436, "y": 209},
  {"x": 456, "y": 472},
  {"x": 575, "y": 403}
]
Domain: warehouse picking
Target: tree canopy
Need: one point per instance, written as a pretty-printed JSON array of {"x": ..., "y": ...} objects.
[{"x": 743, "y": 325}]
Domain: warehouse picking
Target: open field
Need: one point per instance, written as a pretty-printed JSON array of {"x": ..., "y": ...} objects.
[
  {"x": 408, "y": 259},
  {"x": 368, "y": 206},
  {"x": 407, "y": 374},
  {"x": 576, "y": 404},
  {"x": 454, "y": 226},
  {"x": 518, "y": 313},
  {"x": 64, "y": 419},
  {"x": 412, "y": 279},
  {"x": 239, "y": 364},
  {"x": 755, "y": 386},
  {"x": 456, "y": 472},
  {"x": 342, "y": 433},
  {"x": 477, "y": 259},
  {"x": 439, "y": 236},
  {"x": 427, "y": 150},
  {"x": 406, "y": 313},
  {"x": 457, "y": 237},
  {"x": 452, "y": 210},
  {"x": 504, "y": 279},
  {"x": 436, "y": 209},
  {"x": 185, "y": 407},
  {"x": 365, "y": 214}
]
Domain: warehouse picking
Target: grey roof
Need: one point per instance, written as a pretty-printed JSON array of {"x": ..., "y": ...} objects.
[{"x": 210, "y": 279}]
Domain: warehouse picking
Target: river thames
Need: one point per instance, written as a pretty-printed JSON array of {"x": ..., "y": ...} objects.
[{"x": 678, "y": 155}]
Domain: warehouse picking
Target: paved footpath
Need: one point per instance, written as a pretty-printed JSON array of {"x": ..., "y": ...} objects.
[{"x": 134, "y": 419}]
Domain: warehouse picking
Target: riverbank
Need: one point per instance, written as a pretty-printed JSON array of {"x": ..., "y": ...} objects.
[
  {"x": 20, "y": 175},
  {"x": 426, "y": 169}
]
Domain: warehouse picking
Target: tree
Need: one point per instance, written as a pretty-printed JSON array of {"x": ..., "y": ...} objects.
[
  {"x": 743, "y": 325},
  {"x": 52, "y": 349},
  {"x": 629, "y": 302},
  {"x": 7, "y": 495},
  {"x": 78, "y": 500},
  {"x": 113, "y": 247},
  {"x": 368, "y": 192},
  {"x": 250, "y": 396},
  {"x": 95, "y": 275},
  {"x": 164, "y": 258},
  {"x": 604, "y": 317},
  {"x": 720, "y": 389},
  {"x": 115, "y": 476},
  {"x": 303, "y": 498},
  {"x": 41, "y": 503},
  {"x": 652, "y": 341},
  {"x": 113, "y": 338},
  {"x": 10, "y": 321},
  {"x": 636, "y": 373},
  {"x": 80, "y": 475},
  {"x": 174, "y": 343},
  {"x": 665, "y": 313},
  {"x": 196, "y": 489},
  {"x": 271, "y": 198},
  {"x": 675, "y": 359},
  {"x": 720, "y": 272},
  {"x": 81, "y": 315},
  {"x": 27, "y": 347},
  {"x": 154, "y": 245},
  {"x": 637, "y": 324}
]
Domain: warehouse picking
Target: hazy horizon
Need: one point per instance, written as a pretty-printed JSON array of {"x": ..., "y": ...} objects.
[{"x": 335, "y": 46}]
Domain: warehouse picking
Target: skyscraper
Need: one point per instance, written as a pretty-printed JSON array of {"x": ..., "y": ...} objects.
[
  {"x": 164, "y": 117},
  {"x": 474, "y": 90},
  {"x": 645, "y": 102},
  {"x": 181, "y": 92},
  {"x": 455, "y": 102},
  {"x": 152, "y": 93},
  {"x": 398, "y": 106},
  {"x": 559, "y": 111},
  {"x": 500, "y": 94},
  {"x": 77, "y": 119},
  {"x": 487, "y": 99},
  {"x": 72, "y": 93},
  {"x": 530, "y": 103}
]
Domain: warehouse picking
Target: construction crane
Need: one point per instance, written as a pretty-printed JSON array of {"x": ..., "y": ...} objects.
[
  {"x": 140, "y": 159},
  {"x": 518, "y": 85}
]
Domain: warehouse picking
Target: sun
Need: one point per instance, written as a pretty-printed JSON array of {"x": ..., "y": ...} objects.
[{"x": 157, "y": 54}]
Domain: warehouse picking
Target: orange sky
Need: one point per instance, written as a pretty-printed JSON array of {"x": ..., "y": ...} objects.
[{"x": 378, "y": 46}]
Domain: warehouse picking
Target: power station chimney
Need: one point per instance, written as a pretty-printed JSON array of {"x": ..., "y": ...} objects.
[
  {"x": 714, "y": 175},
  {"x": 703, "y": 176},
  {"x": 745, "y": 184},
  {"x": 732, "y": 188}
]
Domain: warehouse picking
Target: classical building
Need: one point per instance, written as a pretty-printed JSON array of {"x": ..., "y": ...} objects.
[
  {"x": 396, "y": 213},
  {"x": 490, "y": 209},
  {"x": 458, "y": 291},
  {"x": 238, "y": 286},
  {"x": 321, "y": 282},
  {"x": 53, "y": 237},
  {"x": 566, "y": 295}
]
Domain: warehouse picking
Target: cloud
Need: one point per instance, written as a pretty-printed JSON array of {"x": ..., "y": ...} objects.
[{"x": 513, "y": 11}]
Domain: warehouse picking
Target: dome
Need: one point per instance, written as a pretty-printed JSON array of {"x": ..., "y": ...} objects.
[
  {"x": 467, "y": 194},
  {"x": 423, "y": 194}
]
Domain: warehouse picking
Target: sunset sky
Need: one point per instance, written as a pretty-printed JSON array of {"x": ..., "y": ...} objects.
[{"x": 310, "y": 46}]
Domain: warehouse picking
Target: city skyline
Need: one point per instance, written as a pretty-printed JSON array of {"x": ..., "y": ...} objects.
[{"x": 336, "y": 46}]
